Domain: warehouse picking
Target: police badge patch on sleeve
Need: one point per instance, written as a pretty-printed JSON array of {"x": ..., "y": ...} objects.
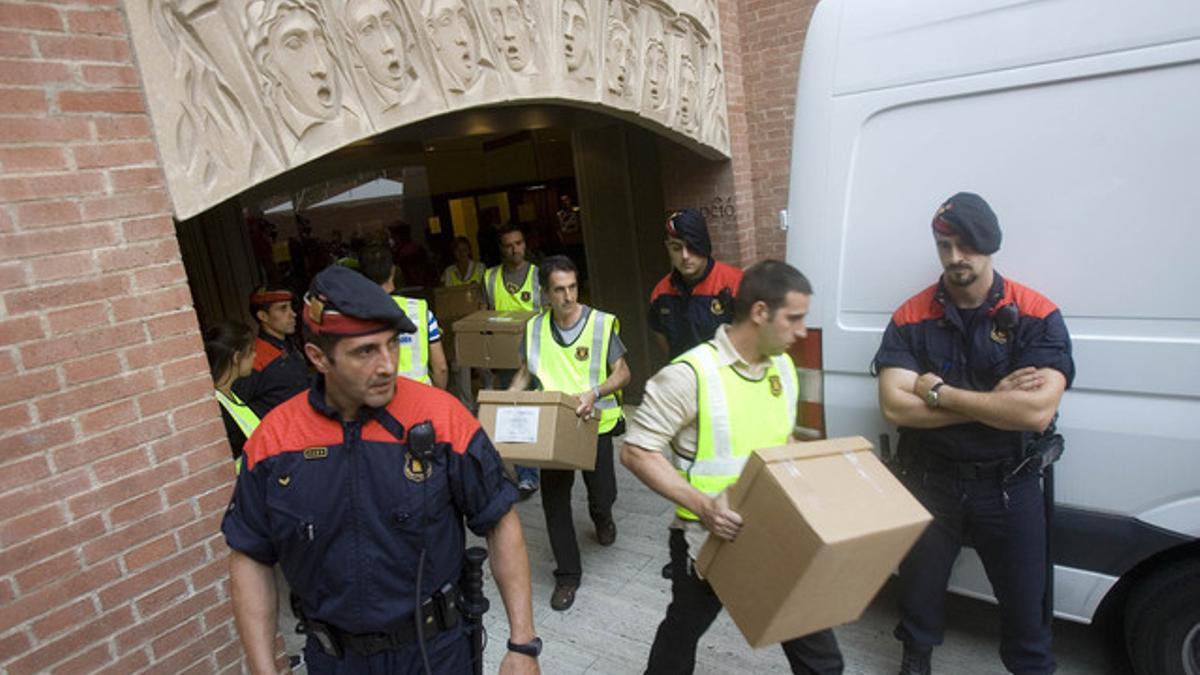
[{"x": 776, "y": 385}]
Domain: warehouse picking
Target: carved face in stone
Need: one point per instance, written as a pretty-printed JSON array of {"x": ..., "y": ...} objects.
[
  {"x": 513, "y": 31},
  {"x": 687, "y": 92},
  {"x": 455, "y": 39},
  {"x": 379, "y": 40},
  {"x": 619, "y": 53},
  {"x": 656, "y": 72},
  {"x": 576, "y": 45},
  {"x": 299, "y": 60}
]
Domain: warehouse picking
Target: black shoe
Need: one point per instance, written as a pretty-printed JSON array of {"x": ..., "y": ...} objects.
[
  {"x": 666, "y": 571},
  {"x": 606, "y": 532},
  {"x": 916, "y": 660},
  {"x": 563, "y": 597}
]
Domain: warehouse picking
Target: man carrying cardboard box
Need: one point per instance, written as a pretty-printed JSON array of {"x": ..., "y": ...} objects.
[
  {"x": 576, "y": 349},
  {"x": 710, "y": 408}
]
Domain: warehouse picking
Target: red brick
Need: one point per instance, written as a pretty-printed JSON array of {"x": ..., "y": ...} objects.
[
  {"x": 16, "y": 417},
  {"x": 164, "y": 350},
  {"x": 175, "y": 395},
  {"x": 96, "y": 368},
  {"x": 25, "y": 15},
  {"x": 166, "y": 620},
  {"x": 141, "y": 556},
  {"x": 215, "y": 477},
  {"x": 28, "y": 524},
  {"x": 13, "y": 275},
  {"x": 6, "y": 221},
  {"x": 111, "y": 76},
  {"x": 67, "y": 265},
  {"x": 62, "y": 295},
  {"x": 8, "y": 362},
  {"x": 124, "y": 180},
  {"x": 101, "y": 102},
  {"x": 14, "y": 643},
  {"x": 212, "y": 572},
  {"x": 23, "y": 472},
  {"x": 15, "y": 44},
  {"x": 126, "y": 126},
  {"x": 96, "y": 21},
  {"x": 197, "y": 413},
  {"x": 84, "y": 48},
  {"x": 204, "y": 528},
  {"x": 40, "y": 438},
  {"x": 108, "y": 417},
  {"x": 69, "y": 320},
  {"x": 22, "y": 101},
  {"x": 180, "y": 443},
  {"x": 49, "y": 544},
  {"x": 71, "y": 643},
  {"x": 102, "y": 339},
  {"x": 144, "y": 506},
  {"x": 134, "y": 662},
  {"x": 117, "y": 154},
  {"x": 132, "y": 585},
  {"x": 151, "y": 303},
  {"x": 27, "y": 188},
  {"x": 215, "y": 502},
  {"x": 159, "y": 599},
  {"x": 27, "y": 386},
  {"x": 183, "y": 321},
  {"x": 159, "y": 276},
  {"x": 128, "y": 256},
  {"x": 198, "y": 652},
  {"x": 63, "y": 566},
  {"x": 229, "y": 658},
  {"x": 121, "y": 438},
  {"x": 119, "y": 491},
  {"x": 68, "y": 617},
  {"x": 41, "y": 129},
  {"x": 18, "y": 330},
  {"x": 85, "y": 662},
  {"x": 48, "y": 213},
  {"x": 185, "y": 368},
  {"x": 45, "y": 492},
  {"x": 125, "y": 205}
]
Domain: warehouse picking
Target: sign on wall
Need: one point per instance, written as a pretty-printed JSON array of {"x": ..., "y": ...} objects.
[{"x": 242, "y": 90}]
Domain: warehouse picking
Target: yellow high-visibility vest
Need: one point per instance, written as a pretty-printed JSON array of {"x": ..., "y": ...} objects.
[
  {"x": 527, "y": 298},
  {"x": 413, "y": 360},
  {"x": 474, "y": 274},
  {"x": 578, "y": 367},
  {"x": 735, "y": 417},
  {"x": 241, "y": 413}
]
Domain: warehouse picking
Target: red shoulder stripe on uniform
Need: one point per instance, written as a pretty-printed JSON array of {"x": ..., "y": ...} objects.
[
  {"x": 663, "y": 287},
  {"x": 1029, "y": 302},
  {"x": 719, "y": 277},
  {"x": 291, "y": 425},
  {"x": 264, "y": 353},
  {"x": 415, "y": 402},
  {"x": 918, "y": 308}
]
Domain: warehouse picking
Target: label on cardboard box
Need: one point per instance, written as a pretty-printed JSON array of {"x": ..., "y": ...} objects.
[{"x": 516, "y": 424}]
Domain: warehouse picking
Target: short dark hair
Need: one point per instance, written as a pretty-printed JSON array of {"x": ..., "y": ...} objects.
[
  {"x": 768, "y": 281},
  {"x": 555, "y": 263},
  {"x": 224, "y": 340},
  {"x": 509, "y": 229},
  {"x": 375, "y": 263},
  {"x": 324, "y": 341}
]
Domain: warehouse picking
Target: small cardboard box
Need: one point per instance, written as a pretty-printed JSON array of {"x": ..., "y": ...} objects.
[
  {"x": 824, "y": 525},
  {"x": 451, "y": 303},
  {"x": 538, "y": 428},
  {"x": 488, "y": 339}
]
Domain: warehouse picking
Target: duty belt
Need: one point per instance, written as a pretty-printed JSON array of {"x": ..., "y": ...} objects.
[
  {"x": 991, "y": 470},
  {"x": 438, "y": 613}
]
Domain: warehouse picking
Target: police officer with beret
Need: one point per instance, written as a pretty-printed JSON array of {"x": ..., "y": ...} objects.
[
  {"x": 972, "y": 370},
  {"x": 359, "y": 490}
]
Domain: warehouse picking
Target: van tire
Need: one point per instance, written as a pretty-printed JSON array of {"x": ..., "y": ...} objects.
[{"x": 1162, "y": 621}]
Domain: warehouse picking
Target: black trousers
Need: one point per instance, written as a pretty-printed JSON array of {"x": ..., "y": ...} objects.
[
  {"x": 694, "y": 606},
  {"x": 556, "y": 504}
]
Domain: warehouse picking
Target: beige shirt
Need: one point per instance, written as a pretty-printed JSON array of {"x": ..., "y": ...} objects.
[{"x": 665, "y": 422}]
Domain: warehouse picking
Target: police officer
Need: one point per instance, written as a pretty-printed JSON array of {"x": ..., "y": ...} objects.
[
  {"x": 359, "y": 489},
  {"x": 688, "y": 304},
  {"x": 709, "y": 409},
  {"x": 971, "y": 368},
  {"x": 421, "y": 357},
  {"x": 279, "y": 371},
  {"x": 576, "y": 349},
  {"x": 512, "y": 286}
]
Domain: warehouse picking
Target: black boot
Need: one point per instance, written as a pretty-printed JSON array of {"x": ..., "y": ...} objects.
[{"x": 916, "y": 660}]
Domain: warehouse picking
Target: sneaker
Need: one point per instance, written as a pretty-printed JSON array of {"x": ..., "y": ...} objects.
[
  {"x": 563, "y": 597},
  {"x": 916, "y": 660},
  {"x": 606, "y": 532},
  {"x": 526, "y": 488}
]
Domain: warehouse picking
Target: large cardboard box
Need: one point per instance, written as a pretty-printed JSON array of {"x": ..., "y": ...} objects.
[
  {"x": 488, "y": 339},
  {"x": 451, "y": 303},
  {"x": 538, "y": 428},
  {"x": 824, "y": 525}
]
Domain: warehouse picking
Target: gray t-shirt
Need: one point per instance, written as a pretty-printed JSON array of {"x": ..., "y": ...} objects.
[{"x": 566, "y": 337}]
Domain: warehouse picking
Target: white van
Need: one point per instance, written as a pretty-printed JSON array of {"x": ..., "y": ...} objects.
[{"x": 1079, "y": 121}]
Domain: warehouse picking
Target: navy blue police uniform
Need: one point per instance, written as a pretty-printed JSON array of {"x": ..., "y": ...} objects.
[
  {"x": 688, "y": 315},
  {"x": 367, "y": 525},
  {"x": 961, "y": 473},
  {"x": 280, "y": 373}
]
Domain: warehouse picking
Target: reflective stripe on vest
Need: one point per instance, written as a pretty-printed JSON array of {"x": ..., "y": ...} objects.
[
  {"x": 563, "y": 368},
  {"x": 735, "y": 416},
  {"x": 503, "y": 301},
  {"x": 413, "y": 360},
  {"x": 242, "y": 415}
]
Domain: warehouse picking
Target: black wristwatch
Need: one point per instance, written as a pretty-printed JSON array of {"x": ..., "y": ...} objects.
[
  {"x": 531, "y": 648},
  {"x": 933, "y": 398}
]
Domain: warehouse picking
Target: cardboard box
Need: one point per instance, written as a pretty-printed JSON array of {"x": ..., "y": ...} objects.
[
  {"x": 451, "y": 303},
  {"x": 824, "y": 525},
  {"x": 538, "y": 428},
  {"x": 488, "y": 339}
]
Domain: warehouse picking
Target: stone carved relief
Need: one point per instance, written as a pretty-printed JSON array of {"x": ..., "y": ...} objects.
[{"x": 241, "y": 90}]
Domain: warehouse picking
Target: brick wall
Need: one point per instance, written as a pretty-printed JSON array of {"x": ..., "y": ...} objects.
[{"x": 114, "y": 470}]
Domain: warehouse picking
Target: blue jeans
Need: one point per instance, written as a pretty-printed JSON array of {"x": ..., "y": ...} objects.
[{"x": 1007, "y": 526}]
